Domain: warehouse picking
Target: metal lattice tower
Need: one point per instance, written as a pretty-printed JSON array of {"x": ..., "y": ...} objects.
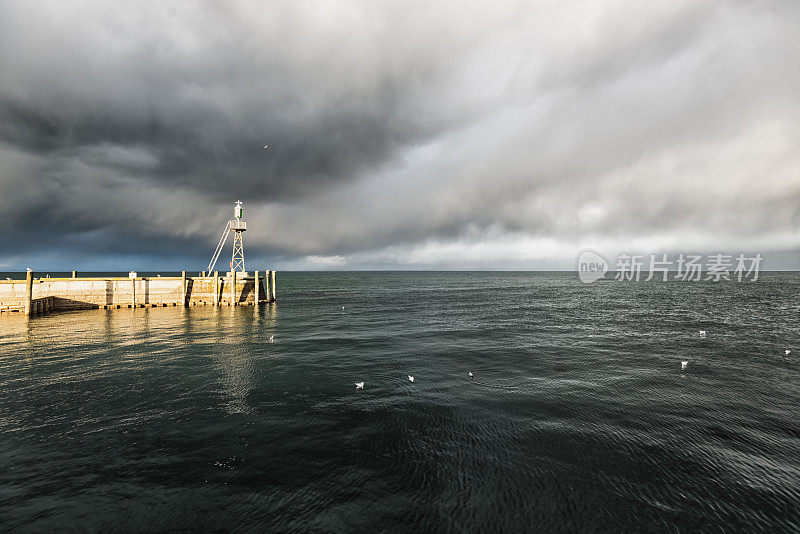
[
  {"x": 237, "y": 259},
  {"x": 237, "y": 226}
]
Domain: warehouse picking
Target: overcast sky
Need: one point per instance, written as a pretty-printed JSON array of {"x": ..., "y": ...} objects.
[{"x": 403, "y": 135}]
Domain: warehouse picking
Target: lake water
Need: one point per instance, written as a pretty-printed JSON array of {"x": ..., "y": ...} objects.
[{"x": 578, "y": 416}]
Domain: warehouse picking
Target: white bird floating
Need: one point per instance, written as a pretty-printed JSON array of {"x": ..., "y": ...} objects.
[
  {"x": 684, "y": 365},
  {"x": 359, "y": 385},
  {"x": 342, "y": 307},
  {"x": 271, "y": 338},
  {"x": 702, "y": 333},
  {"x": 410, "y": 378},
  {"x": 265, "y": 147},
  {"x": 470, "y": 373},
  {"x": 787, "y": 352}
]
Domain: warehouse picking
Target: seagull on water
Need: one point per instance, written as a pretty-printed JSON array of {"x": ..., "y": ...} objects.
[
  {"x": 410, "y": 378},
  {"x": 702, "y": 333},
  {"x": 264, "y": 147},
  {"x": 271, "y": 338},
  {"x": 470, "y": 373},
  {"x": 359, "y": 385},
  {"x": 684, "y": 365},
  {"x": 787, "y": 352}
]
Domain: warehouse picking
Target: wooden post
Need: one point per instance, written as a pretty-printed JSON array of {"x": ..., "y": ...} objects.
[
  {"x": 257, "y": 284},
  {"x": 273, "y": 289},
  {"x": 216, "y": 288},
  {"x": 233, "y": 288},
  {"x": 133, "y": 294},
  {"x": 74, "y": 274},
  {"x": 183, "y": 288},
  {"x": 28, "y": 291}
]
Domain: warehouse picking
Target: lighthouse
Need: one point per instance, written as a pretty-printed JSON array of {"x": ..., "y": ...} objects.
[{"x": 237, "y": 226}]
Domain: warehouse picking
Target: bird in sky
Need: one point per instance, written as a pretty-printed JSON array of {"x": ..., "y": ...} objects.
[{"x": 265, "y": 147}]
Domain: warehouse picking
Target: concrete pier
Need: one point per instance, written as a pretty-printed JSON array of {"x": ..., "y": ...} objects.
[{"x": 37, "y": 296}]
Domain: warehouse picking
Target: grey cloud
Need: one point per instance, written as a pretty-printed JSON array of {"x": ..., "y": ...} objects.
[{"x": 395, "y": 129}]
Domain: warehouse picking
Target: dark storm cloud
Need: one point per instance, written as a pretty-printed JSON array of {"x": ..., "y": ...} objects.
[{"x": 402, "y": 134}]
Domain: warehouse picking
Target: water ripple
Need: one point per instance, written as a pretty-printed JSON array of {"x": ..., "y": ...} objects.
[{"x": 578, "y": 416}]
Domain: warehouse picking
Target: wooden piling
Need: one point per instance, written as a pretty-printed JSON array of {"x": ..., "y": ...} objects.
[
  {"x": 183, "y": 288},
  {"x": 216, "y": 288},
  {"x": 133, "y": 293},
  {"x": 74, "y": 274},
  {"x": 273, "y": 288},
  {"x": 257, "y": 288},
  {"x": 28, "y": 292},
  {"x": 233, "y": 288}
]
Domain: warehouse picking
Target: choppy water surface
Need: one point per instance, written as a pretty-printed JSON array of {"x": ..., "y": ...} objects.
[{"x": 578, "y": 416}]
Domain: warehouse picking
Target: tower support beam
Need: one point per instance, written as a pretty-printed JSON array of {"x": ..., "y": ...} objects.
[{"x": 237, "y": 259}]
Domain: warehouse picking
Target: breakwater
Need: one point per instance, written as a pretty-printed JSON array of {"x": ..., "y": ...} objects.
[{"x": 36, "y": 296}]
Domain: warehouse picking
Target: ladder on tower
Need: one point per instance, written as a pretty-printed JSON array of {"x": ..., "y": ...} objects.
[{"x": 220, "y": 245}]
